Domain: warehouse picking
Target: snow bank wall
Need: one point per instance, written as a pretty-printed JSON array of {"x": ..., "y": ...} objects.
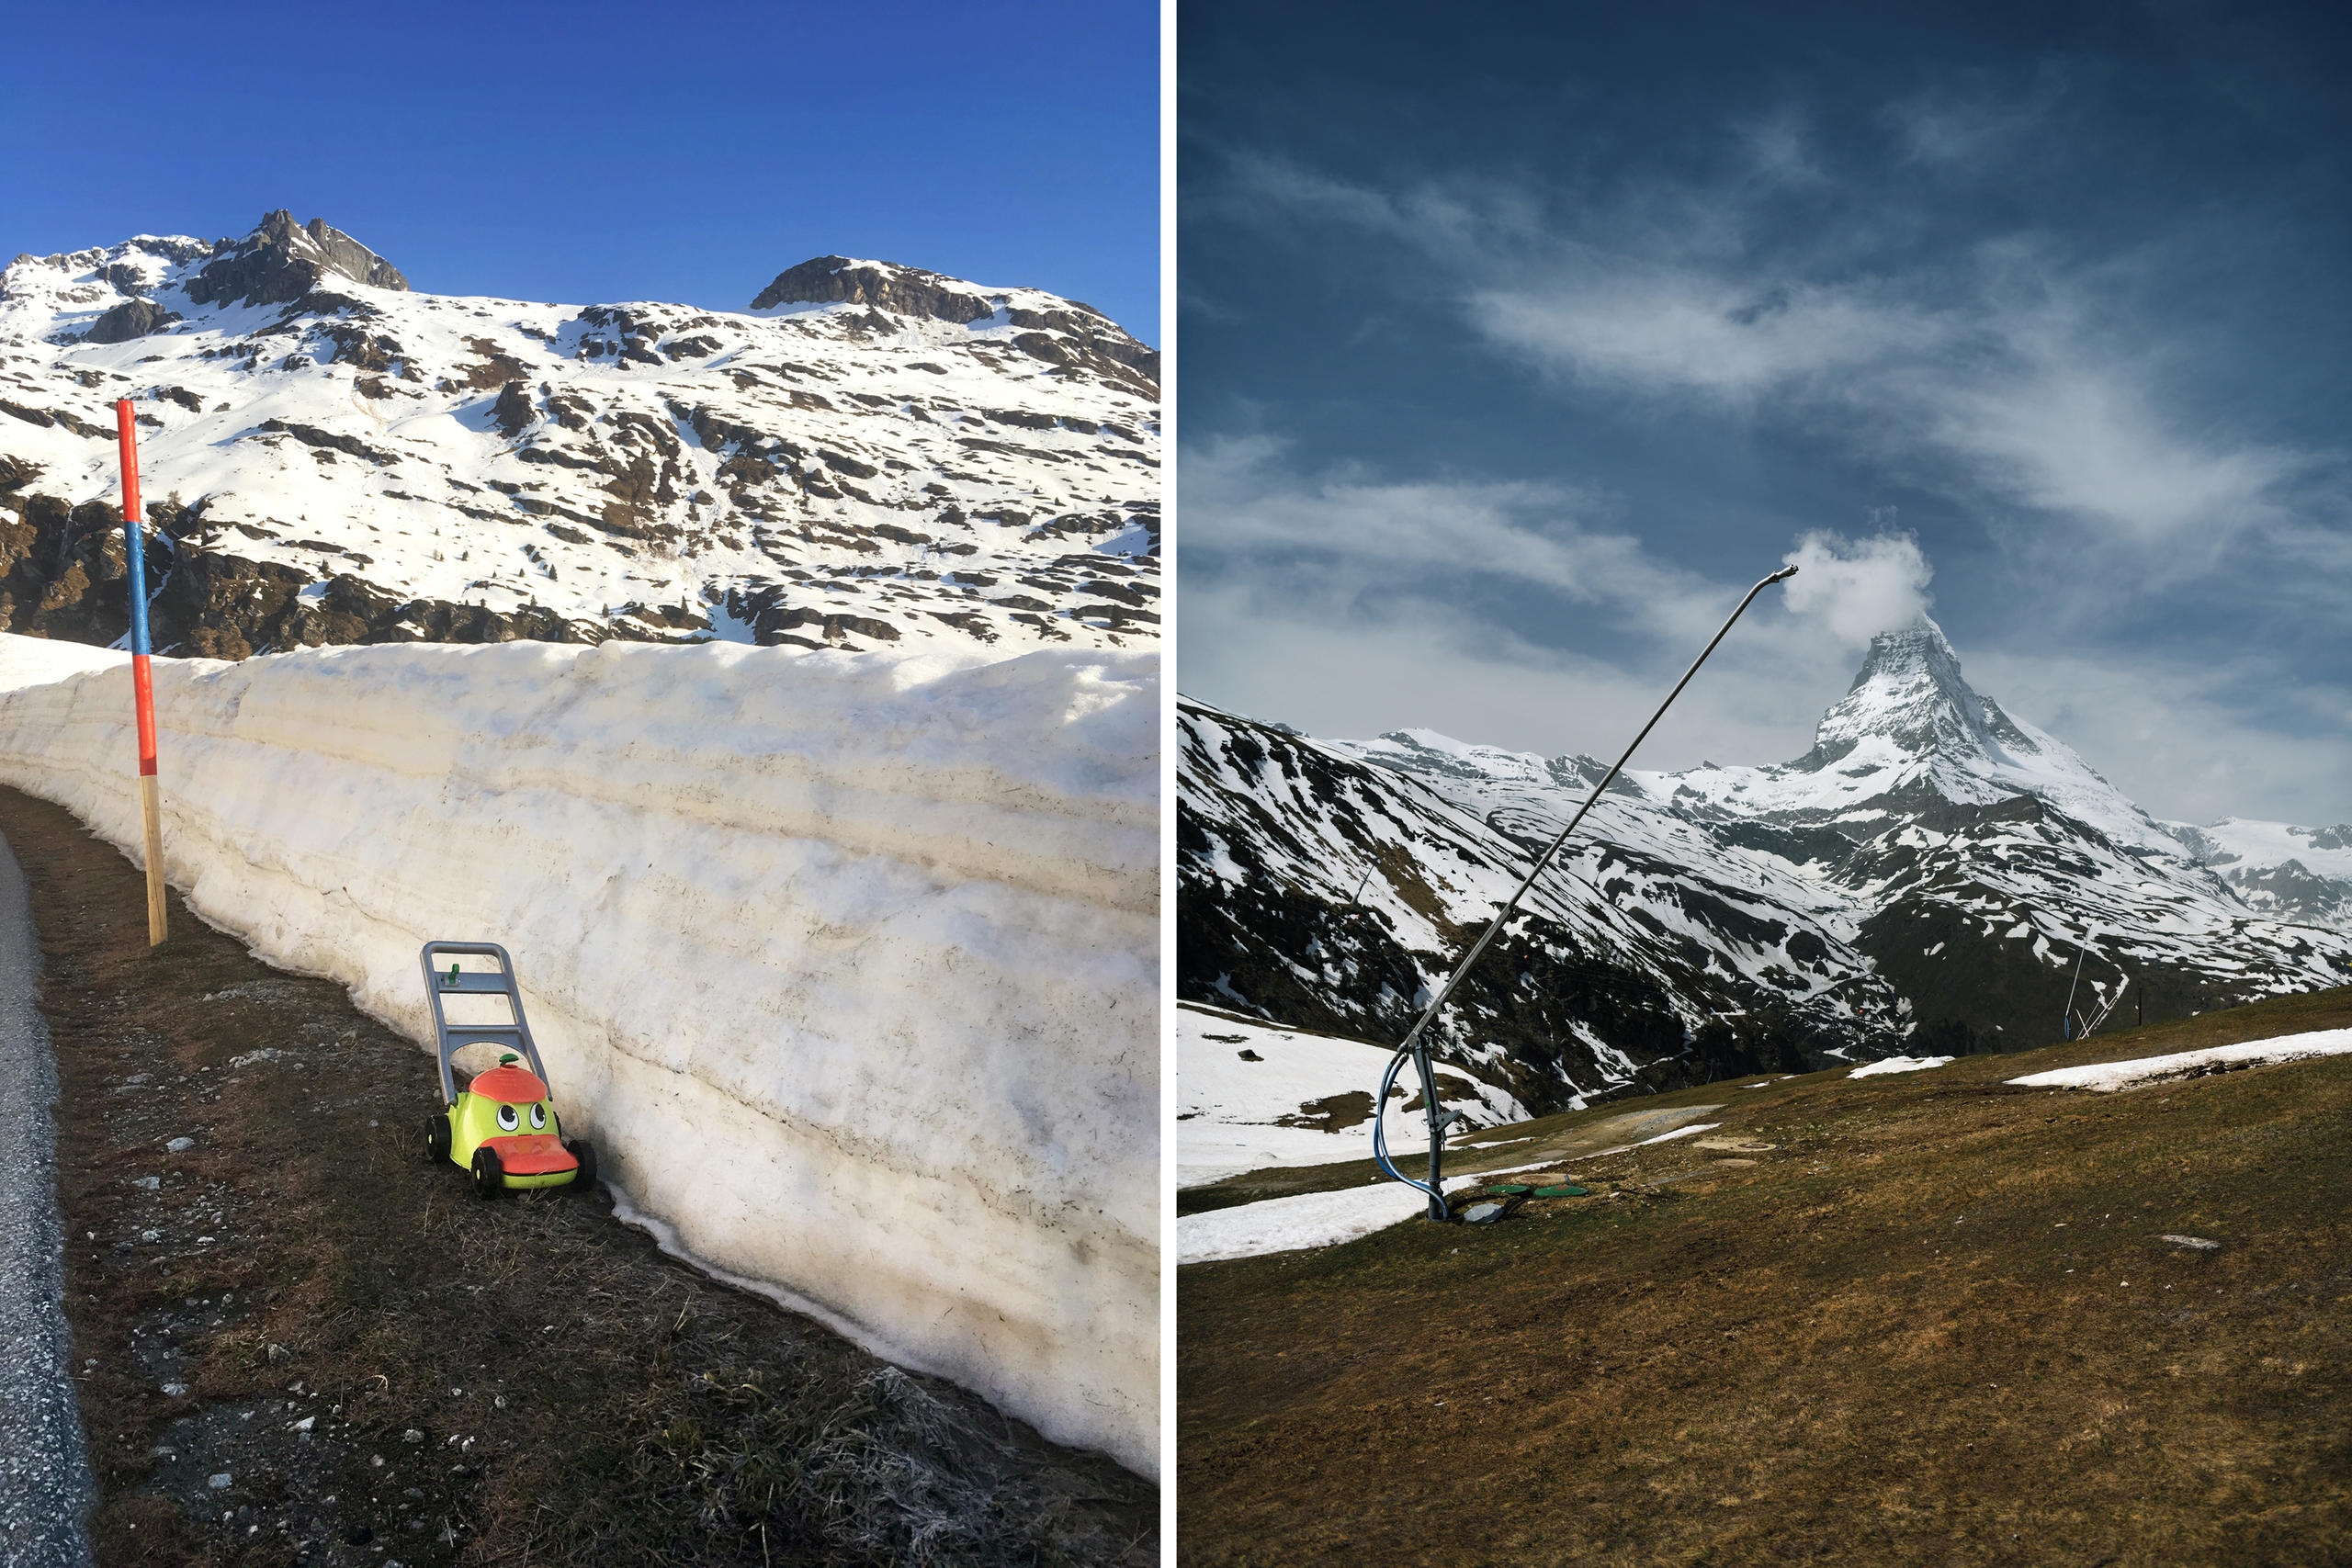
[{"x": 848, "y": 964}]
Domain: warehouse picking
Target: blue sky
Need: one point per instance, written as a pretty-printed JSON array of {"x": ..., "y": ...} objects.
[
  {"x": 1513, "y": 349},
  {"x": 593, "y": 152}
]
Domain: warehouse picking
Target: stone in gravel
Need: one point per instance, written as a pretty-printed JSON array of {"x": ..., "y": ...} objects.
[
  {"x": 149, "y": 1182},
  {"x": 218, "y": 1483},
  {"x": 174, "y": 1390},
  {"x": 2196, "y": 1242},
  {"x": 150, "y": 1236},
  {"x": 412, "y": 1436},
  {"x": 278, "y": 1354},
  {"x": 180, "y": 1145}
]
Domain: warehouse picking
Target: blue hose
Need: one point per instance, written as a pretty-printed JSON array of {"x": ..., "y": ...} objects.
[{"x": 1380, "y": 1131}]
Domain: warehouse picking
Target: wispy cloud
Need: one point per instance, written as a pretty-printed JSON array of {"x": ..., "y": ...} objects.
[
  {"x": 2190, "y": 740},
  {"x": 1952, "y": 127},
  {"x": 1999, "y": 375},
  {"x": 1338, "y": 600}
]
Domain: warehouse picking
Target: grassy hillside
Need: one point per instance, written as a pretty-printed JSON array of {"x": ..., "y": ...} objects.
[{"x": 1917, "y": 1318}]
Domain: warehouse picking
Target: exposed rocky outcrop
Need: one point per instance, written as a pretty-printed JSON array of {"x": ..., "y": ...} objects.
[
  {"x": 132, "y": 318},
  {"x": 1100, "y": 345},
  {"x": 62, "y": 571},
  {"x": 910, "y": 291},
  {"x": 280, "y": 262}
]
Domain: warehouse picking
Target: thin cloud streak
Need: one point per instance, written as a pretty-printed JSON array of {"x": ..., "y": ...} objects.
[{"x": 2002, "y": 363}]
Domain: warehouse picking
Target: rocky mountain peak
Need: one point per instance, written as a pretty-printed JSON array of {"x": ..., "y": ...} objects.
[
  {"x": 281, "y": 261},
  {"x": 1910, "y": 692},
  {"x": 1026, "y": 316},
  {"x": 907, "y": 290}
]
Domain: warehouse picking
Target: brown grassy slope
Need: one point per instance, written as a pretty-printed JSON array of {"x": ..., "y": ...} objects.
[
  {"x": 573, "y": 1396},
  {"x": 1933, "y": 1321}
]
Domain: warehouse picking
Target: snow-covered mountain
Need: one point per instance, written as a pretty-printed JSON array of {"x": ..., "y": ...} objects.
[
  {"x": 869, "y": 455},
  {"x": 2297, "y": 873},
  {"x": 1926, "y": 877}
]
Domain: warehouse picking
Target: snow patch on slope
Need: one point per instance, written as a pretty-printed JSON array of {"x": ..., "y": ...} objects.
[
  {"x": 1901, "y": 1065},
  {"x": 1291, "y": 1224},
  {"x": 2109, "y": 1077},
  {"x": 1307, "y": 1098}
]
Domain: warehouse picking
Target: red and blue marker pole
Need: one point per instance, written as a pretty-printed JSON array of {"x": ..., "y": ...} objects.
[{"x": 142, "y": 686}]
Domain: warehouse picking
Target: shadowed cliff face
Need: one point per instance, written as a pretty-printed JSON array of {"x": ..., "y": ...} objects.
[{"x": 279, "y": 261}]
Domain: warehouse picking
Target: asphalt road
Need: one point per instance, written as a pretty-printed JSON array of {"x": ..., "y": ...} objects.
[{"x": 45, "y": 1487}]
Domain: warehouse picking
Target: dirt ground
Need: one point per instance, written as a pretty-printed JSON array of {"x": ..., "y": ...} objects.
[
  {"x": 299, "y": 1342},
  {"x": 1916, "y": 1318}
]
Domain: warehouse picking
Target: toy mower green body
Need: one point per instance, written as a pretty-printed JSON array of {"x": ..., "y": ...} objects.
[{"x": 501, "y": 1128}]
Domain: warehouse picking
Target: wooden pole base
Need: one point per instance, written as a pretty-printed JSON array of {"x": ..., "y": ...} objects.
[{"x": 151, "y": 807}]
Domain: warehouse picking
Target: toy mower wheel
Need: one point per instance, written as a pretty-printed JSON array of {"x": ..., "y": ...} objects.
[
  {"x": 436, "y": 1139},
  {"x": 585, "y": 1152},
  {"x": 489, "y": 1173}
]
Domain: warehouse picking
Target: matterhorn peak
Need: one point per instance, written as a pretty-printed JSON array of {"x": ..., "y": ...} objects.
[
  {"x": 1910, "y": 692},
  {"x": 1918, "y": 644}
]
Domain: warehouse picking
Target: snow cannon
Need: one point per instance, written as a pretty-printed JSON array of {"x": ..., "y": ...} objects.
[{"x": 502, "y": 1126}]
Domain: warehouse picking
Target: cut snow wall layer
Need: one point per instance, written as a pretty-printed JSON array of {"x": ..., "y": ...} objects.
[{"x": 847, "y": 962}]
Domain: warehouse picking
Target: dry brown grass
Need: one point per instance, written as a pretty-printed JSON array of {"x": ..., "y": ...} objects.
[{"x": 1933, "y": 1323}]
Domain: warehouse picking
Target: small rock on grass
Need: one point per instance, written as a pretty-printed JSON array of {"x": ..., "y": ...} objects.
[
  {"x": 2196, "y": 1243},
  {"x": 180, "y": 1145}
]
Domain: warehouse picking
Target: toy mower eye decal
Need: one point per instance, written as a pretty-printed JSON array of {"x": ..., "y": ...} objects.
[
  {"x": 507, "y": 1119},
  {"x": 538, "y": 1118}
]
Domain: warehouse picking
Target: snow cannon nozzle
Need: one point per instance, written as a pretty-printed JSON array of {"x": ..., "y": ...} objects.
[{"x": 1782, "y": 575}]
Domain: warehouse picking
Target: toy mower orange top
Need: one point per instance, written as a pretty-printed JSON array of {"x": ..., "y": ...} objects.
[{"x": 509, "y": 1084}]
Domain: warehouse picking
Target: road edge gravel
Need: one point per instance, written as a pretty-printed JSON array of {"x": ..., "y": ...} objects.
[{"x": 46, "y": 1488}]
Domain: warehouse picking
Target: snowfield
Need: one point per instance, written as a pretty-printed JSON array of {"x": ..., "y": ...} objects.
[
  {"x": 2109, "y": 1077},
  {"x": 847, "y": 962},
  {"x": 1306, "y": 1100}
]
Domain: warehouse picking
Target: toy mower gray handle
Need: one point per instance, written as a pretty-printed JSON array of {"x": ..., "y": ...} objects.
[{"x": 451, "y": 1038}]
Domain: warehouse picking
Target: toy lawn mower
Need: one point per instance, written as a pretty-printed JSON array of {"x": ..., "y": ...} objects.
[{"x": 502, "y": 1126}]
